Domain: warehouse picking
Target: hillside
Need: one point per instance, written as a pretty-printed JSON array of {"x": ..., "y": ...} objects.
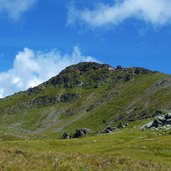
[{"x": 87, "y": 95}]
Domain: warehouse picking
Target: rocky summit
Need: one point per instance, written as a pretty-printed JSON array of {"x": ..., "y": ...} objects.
[{"x": 86, "y": 95}]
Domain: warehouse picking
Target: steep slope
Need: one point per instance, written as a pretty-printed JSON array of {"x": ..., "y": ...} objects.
[{"x": 86, "y": 95}]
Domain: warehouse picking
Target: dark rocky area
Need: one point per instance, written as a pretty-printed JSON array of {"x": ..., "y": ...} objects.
[
  {"x": 66, "y": 136},
  {"x": 109, "y": 129},
  {"x": 77, "y": 134},
  {"x": 68, "y": 97},
  {"x": 94, "y": 74},
  {"x": 160, "y": 122}
]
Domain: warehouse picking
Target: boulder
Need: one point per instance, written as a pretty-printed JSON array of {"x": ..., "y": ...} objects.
[
  {"x": 147, "y": 126},
  {"x": 119, "y": 77},
  {"x": 168, "y": 121},
  {"x": 156, "y": 123},
  {"x": 109, "y": 130},
  {"x": 65, "y": 136},
  {"x": 168, "y": 116},
  {"x": 160, "y": 122},
  {"x": 119, "y": 67},
  {"x": 81, "y": 132},
  {"x": 121, "y": 125},
  {"x": 128, "y": 77}
]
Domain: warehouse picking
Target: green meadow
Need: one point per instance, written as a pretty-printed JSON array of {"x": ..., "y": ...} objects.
[{"x": 127, "y": 149}]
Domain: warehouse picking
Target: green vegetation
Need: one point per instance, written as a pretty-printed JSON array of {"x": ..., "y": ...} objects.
[
  {"x": 87, "y": 95},
  {"x": 128, "y": 149},
  {"x": 93, "y": 96}
]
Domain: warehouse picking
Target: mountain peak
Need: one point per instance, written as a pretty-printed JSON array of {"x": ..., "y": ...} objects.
[
  {"x": 86, "y": 66},
  {"x": 90, "y": 74}
]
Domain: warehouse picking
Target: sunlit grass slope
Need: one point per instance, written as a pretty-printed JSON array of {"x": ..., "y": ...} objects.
[
  {"x": 128, "y": 149},
  {"x": 87, "y": 95}
]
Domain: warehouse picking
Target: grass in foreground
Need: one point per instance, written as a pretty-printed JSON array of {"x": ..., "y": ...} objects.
[{"x": 128, "y": 149}]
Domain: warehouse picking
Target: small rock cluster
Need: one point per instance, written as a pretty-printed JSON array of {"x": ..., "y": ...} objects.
[
  {"x": 66, "y": 136},
  {"x": 81, "y": 132},
  {"x": 110, "y": 129},
  {"x": 78, "y": 133},
  {"x": 160, "y": 122}
]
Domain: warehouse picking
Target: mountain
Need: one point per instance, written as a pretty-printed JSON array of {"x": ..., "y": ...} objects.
[{"x": 88, "y": 94}]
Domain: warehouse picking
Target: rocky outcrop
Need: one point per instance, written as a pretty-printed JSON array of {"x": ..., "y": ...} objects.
[
  {"x": 71, "y": 76},
  {"x": 160, "y": 122},
  {"x": 65, "y": 136},
  {"x": 45, "y": 100},
  {"x": 68, "y": 97},
  {"x": 92, "y": 74},
  {"x": 128, "y": 77},
  {"x": 77, "y": 134},
  {"x": 33, "y": 90},
  {"x": 81, "y": 132},
  {"x": 109, "y": 130}
]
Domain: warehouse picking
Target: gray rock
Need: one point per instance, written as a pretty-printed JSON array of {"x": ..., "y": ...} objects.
[
  {"x": 168, "y": 121},
  {"x": 65, "y": 136},
  {"x": 68, "y": 97},
  {"x": 81, "y": 132},
  {"x": 147, "y": 126},
  {"x": 156, "y": 123},
  {"x": 160, "y": 122},
  {"x": 168, "y": 116},
  {"x": 33, "y": 90},
  {"x": 109, "y": 130},
  {"x": 160, "y": 118},
  {"x": 121, "y": 125},
  {"x": 119, "y": 67},
  {"x": 128, "y": 77}
]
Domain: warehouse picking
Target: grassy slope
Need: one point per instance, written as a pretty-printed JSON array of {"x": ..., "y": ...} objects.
[
  {"x": 105, "y": 108},
  {"x": 95, "y": 108},
  {"x": 128, "y": 149},
  {"x": 27, "y": 133}
]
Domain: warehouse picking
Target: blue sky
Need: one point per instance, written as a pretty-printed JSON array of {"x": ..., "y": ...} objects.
[{"x": 63, "y": 32}]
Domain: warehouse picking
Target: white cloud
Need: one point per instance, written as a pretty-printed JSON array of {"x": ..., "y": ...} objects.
[
  {"x": 31, "y": 68},
  {"x": 15, "y": 8},
  {"x": 155, "y": 12}
]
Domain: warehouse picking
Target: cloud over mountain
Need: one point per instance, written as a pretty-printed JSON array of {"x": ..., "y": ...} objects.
[
  {"x": 31, "y": 68},
  {"x": 155, "y": 12}
]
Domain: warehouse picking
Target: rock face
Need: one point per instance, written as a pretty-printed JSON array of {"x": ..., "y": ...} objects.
[
  {"x": 160, "y": 122},
  {"x": 45, "y": 100},
  {"x": 68, "y": 97},
  {"x": 90, "y": 74}
]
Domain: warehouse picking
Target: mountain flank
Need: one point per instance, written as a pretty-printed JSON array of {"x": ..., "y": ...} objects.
[{"x": 86, "y": 95}]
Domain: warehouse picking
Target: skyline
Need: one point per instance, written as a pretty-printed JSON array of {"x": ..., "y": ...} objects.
[{"x": 40, "y": 38}]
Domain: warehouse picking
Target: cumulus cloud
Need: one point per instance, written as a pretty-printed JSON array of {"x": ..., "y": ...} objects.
[
  {"x": 31, "y": 68},
  {"x": 15, "y": 8},
  {"x": 155, "y": 12}
]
